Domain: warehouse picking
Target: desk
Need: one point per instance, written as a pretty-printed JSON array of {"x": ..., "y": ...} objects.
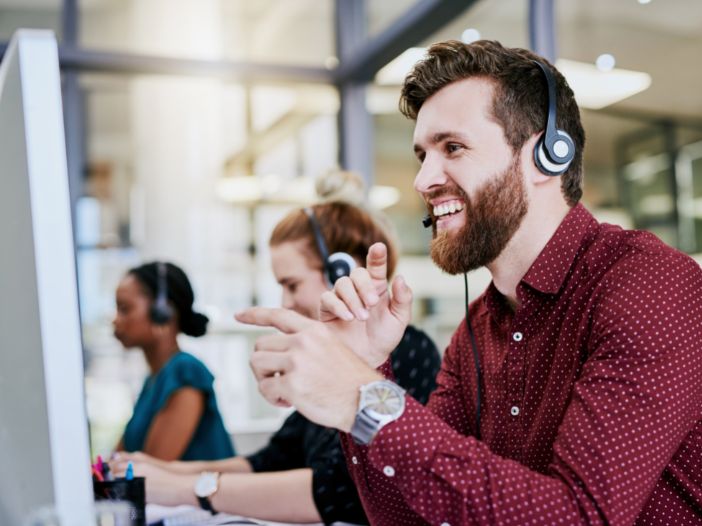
[{"x": 191, "y": 516}]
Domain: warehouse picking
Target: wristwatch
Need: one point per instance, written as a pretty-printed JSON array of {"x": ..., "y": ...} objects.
[
  {"x": 380, "y": 403},
  {"x": 206, "y": 485}
]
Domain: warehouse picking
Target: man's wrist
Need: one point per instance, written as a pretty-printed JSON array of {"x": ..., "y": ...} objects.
[
  {"x": 381, "y": 402},
  {"x": 352, "y": 409}
]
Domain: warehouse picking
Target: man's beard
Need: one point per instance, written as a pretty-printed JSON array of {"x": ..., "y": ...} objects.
[{"x": 492, "y": 218}]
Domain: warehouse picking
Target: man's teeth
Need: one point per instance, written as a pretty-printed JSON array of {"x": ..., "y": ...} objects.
[{"x": 448, "y": 207}]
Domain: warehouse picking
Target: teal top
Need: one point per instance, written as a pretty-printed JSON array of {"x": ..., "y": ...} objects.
[{"x": 210, "y": 440}]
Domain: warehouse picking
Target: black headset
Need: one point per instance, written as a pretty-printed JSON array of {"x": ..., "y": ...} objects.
[
  {"x": 555, "y": 149},
  {"x": 161, "y": 312},
  {"x": 336, "y": 265}
]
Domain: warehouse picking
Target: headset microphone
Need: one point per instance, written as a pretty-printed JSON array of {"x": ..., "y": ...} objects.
[{"x": 427, "y": 221}]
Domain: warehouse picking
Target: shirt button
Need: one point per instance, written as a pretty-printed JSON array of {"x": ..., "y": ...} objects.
[
  {"x": 517, "y": 336},
  {"x": 354, "y": 460},
  {"x": 389, "y": 471},
  {"x": 514, "y": 410}
]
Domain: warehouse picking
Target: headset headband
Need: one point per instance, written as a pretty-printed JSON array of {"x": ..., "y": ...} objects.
[
  {"x": 551, "y": 134},
  {"x": 321, "y": 245}
]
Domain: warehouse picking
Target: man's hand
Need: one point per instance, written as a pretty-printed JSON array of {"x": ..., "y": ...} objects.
[
  {"x": 363, "y": 313},
  {"x": 307, "y": 366}
]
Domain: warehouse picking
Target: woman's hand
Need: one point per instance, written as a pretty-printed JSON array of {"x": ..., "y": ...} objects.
[{"x": 162, "y": 486}]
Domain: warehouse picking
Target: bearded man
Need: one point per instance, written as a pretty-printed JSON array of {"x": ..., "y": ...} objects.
[{"x": 572, "y": 391}]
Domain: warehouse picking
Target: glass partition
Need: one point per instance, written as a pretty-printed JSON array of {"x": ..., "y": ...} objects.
[{"x": 169, "y": 162}]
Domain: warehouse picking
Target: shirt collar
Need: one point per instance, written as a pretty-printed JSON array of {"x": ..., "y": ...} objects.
[{"x": 548, "y": 272}]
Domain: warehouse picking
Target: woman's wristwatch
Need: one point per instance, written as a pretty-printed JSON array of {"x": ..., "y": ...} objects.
[
  {"x": 206, "y": 485},
  {"x": 380, "y": 403}
]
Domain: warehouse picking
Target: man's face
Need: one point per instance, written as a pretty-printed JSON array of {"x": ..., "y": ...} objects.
[{"x": 470, "y": 179}]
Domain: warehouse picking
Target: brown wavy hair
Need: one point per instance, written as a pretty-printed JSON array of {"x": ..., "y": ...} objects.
[
  {"x": 345, "y": 227},
  {"x": 519, "y": 101}
]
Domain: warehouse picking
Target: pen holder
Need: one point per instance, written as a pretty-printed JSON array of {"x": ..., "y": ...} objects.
[{"x": 130, "y": 491}]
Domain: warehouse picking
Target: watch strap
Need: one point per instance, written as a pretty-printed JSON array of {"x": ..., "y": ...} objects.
[
  {"x": 205, "y": 504},
  {"x": 364, "y": 428}
]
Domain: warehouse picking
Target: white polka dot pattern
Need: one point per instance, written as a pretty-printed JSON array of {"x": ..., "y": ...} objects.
[{"x": 593, "y": 415}]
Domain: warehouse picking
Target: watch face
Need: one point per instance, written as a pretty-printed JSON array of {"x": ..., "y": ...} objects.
[
  {"x": 206, "y": 484},
  {"x": 383, "y": 400}
]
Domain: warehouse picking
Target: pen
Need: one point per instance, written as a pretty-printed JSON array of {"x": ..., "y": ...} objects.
[
  {"x": 97, "y": 474},
  {"x": 106, "y": 471},
  {"x": 129, "y": 474},
  {"x": 98, "y": 464}
]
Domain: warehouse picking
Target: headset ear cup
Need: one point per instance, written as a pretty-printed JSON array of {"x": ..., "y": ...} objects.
[
  {"x": 544, "y": 161},
  {"x": 161, "y": 312},
  {"x": 537, "y": 154},
  {"x": 564, "y": 141},
  {"x": 339, "y": 264}
]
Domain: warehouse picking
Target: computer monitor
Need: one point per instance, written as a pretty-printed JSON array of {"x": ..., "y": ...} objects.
[{"x": 44, "y": 453}]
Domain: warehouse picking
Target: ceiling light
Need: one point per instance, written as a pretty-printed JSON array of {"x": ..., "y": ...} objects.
[
  {"x": 605, "y": 62},
  {"x": 381, "y": 197},
  {"x": 595, "y": 89},
  {"x": 470, "y": 35},
  {"x": 251, "y": 189},
  {"x": 642, "y": 2},
  {"x": 382, "y": 99},
  {"x": 299, "y": 190},
  {"x": 395, "y": 71},
  {"x": 331, "y": 62},
  {"x": 240, "y": 189}
]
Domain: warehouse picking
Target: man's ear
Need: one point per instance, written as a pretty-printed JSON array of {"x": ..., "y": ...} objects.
[{"x": 531, "y": 172}]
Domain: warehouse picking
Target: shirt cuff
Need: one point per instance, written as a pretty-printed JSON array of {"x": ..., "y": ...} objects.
[
  {"x": 402, "y": 454},
  {"x": 257, "y": 462},
  {"x": 351, "y": 448},
  {"x": 386, "y": 369}
]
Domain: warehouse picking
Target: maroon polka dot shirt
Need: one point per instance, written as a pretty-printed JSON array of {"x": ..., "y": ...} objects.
[{"x": 592, "y": 398}]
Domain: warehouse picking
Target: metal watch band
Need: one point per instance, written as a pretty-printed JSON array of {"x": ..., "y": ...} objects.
[{"x": 364, "y": 428}]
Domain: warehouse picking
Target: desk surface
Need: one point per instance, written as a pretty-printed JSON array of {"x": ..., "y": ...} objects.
[{"x": 191, "y": 516}]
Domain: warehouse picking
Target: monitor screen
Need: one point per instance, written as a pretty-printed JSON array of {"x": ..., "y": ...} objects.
[{"x": 44, "y": 450}]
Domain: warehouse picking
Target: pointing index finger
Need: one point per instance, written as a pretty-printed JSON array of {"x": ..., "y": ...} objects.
[{"x": 284, "y": 320}]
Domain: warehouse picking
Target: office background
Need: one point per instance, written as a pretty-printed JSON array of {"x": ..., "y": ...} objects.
[{"x": 192, "y": 126}]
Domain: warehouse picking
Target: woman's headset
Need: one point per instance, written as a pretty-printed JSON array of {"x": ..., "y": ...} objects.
[
  {"x": 161, "y": 312},
  {"x": 555, "y": 150},
  {"x": 336, "y": 265}
]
